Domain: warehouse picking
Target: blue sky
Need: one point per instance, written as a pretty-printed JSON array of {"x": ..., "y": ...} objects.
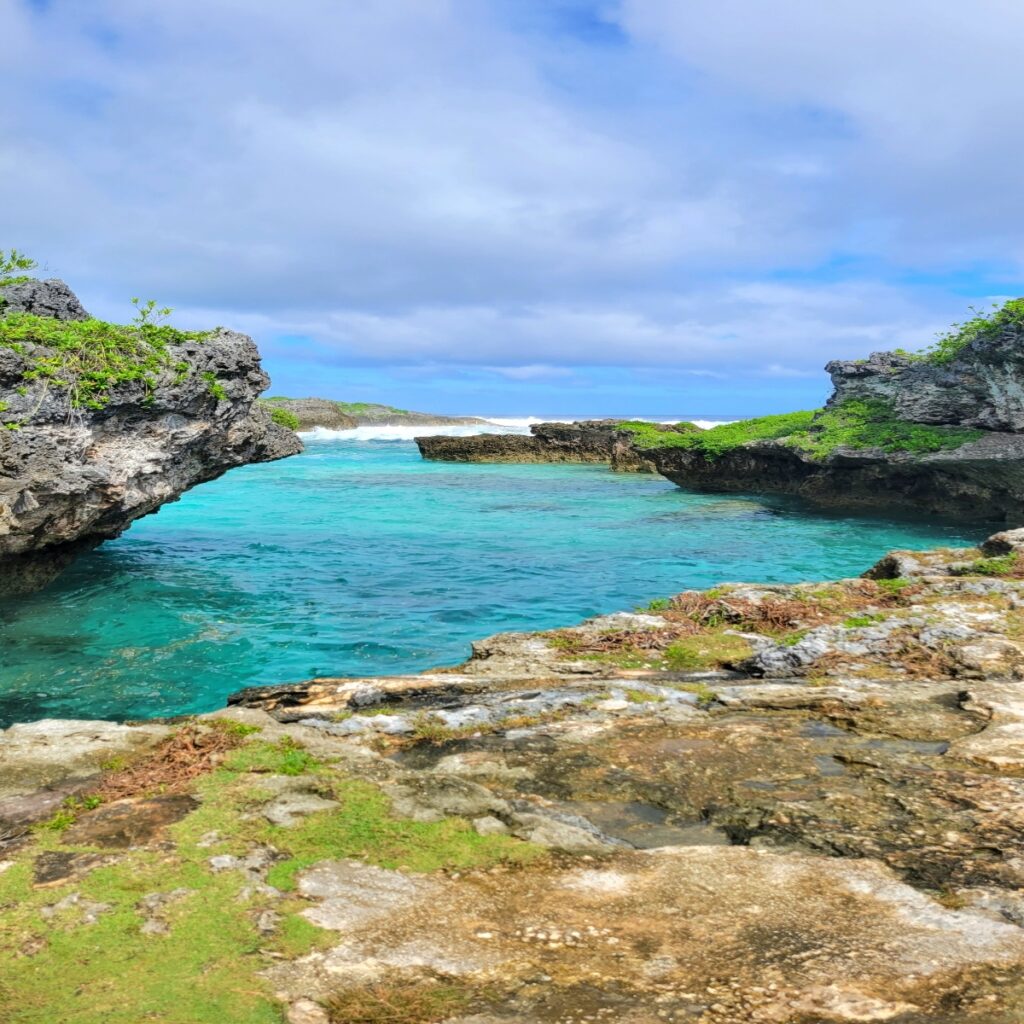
[{"x": 516, "y": 207}]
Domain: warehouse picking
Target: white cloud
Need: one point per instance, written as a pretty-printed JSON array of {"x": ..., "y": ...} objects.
[{"x": 427, "y": 181}]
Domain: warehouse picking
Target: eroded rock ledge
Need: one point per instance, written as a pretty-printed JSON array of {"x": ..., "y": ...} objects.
[
  {"x": 939, "y": 432},
  {"x": 584, "y": 441},
  {"x": 72, "y": 476},
  {"x": 785, "y": 804}
]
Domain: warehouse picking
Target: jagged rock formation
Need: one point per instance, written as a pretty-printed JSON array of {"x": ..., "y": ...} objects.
[
  {"x": 977, "y": 390},
  {"x": 581, "y": 441},
  {"x": 770, "y": 804},
  {"x": 51, "y": 298},
  {"x": 983, "y": 479},
  {"x": 326, "y": 412},
  {"x": 72, "y": 477},
  {"x": 982, "y": 386}
]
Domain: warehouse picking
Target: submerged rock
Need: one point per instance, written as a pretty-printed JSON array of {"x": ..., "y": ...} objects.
[{"x": 76, "y": 472}]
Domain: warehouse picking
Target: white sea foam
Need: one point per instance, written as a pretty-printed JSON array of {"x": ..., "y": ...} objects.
[{"x": 494, "y": 425}]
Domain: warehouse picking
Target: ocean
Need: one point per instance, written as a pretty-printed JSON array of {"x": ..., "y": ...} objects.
[{"x": 359, "y": 558}]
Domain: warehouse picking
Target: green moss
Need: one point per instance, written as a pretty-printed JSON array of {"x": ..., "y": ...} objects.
[
  {"x": 895, "y": 586},
  {"x": 706, "y": 650},
  {"x": 870, "y": 424},
  {"x": 1001, "y": 565},
  {"x": 285, "y": 418},
  {"x": 654, "y": 435},
  {"x": 854, "y": 424},
  {"x": 704, "y": 694},
  {"x": 643, "y": 697},
  {"x": 857, "y": 621},
  {"x": 88, "y": 359},
  {"x": 284, "y": 758},
  {"x": 206, "y": 968},
  {"x": 792, "y": 639}
]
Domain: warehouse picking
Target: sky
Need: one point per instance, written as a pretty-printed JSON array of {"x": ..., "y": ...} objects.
[{"x": 665, "y": 208}]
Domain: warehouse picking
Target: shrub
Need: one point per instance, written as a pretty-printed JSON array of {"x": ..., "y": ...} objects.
[
  {"x": 1005, "y": 318},
  {"x": 284, "y": 418}
]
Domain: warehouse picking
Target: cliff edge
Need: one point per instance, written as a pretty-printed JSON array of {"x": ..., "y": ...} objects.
[
  {"x": 101, "y": 424},
  {"x": 936, "y": 432}
]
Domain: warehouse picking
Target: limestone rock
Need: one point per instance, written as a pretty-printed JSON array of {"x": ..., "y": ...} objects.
[
  {"x": 314, "y": 412},
  {"x": 69, "y": 481}
]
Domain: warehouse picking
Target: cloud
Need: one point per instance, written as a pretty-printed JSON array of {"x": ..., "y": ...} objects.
[{"x": 529, "y": 186}]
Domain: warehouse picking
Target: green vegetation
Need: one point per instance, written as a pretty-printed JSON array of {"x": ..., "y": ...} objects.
[
  {"x": 723, "y": 438},
  {"x": 214, "y": 386},
  {"x": 643, "y": 697},
  {"x": 1007, "y": 318},
  {"x": 854, "y": 424},
  {"x": 706, "y": 650},
  {"x": 895, "y": 586},
  {"x": 858, "y": 621},
  {"x": 654, "y": 435},
  {"x": 285, "y": 418},
  {"x": 349, "y": 408},
  {"x": 87, "y": 359},
  {"x": 13, "y": 265},
  {"x": 57, "y": 964},
  {"x": 704, "y": 694},
  {"x": 1000, "y": 565},
  {"x": 870, "y": 424}
]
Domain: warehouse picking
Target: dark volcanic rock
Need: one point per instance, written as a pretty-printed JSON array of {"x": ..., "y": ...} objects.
[
  {"x": 983, "y": 479},
  {"x": 482, "y": 448},
  {"x": 42, "y": 298},
  {"x": 581, "y": 441},
  {"x": 71, "y": 478},
  {"x": 982, "y": 387}
]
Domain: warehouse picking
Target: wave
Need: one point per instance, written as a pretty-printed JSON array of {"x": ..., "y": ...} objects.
[{"x": 494, "y": 425}]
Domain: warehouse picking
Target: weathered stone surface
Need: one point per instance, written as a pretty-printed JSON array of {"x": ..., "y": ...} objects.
[
  {"x": 51, "y": 298},
  {"x": 130, "y": 823},
  {"x": 35, "y": 755},
  {"x": 844, "y": 843},
  {"x": 483, "y": 448},
  {"x": 583, "y": 441},
  {"x": 983, "y": 386},
  {"x": 314, "y": 412},
  {"x": 983, "y": 479},
  {"x": 70, "y": 481}
]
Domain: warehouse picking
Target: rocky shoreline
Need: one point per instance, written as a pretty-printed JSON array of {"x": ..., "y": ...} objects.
[
  {"x": 310, "y": 413},
  {"x": 583, "y": 441},
  {"x": 789, "y": 804},
  {"x": 102, "y": 424},
  {"x": 939, "y": 432}
]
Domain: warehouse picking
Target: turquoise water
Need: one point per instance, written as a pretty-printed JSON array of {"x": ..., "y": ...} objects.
[{"x": 359, "y": 558}]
